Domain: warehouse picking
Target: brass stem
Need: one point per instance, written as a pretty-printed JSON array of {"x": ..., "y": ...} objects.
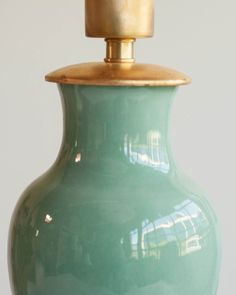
[{"x": 120, "y": 50}]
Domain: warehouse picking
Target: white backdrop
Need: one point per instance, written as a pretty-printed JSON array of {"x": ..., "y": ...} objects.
[{"x": 196, "y": 37}]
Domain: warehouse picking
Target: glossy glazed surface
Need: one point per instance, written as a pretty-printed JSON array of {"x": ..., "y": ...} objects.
[{"x": 112, "y": 215}]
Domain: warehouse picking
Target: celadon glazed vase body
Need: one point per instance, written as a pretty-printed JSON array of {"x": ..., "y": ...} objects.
[{"x": 112, "y": 215}]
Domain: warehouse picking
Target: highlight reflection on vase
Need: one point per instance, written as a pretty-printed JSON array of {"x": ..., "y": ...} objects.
[
  {"x": 149, "y": 154},
  {"x": 185, "y": 229},
  {"x": 112, "y": 215}
]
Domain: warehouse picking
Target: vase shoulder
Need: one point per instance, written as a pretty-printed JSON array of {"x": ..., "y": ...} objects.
[{"x": 108, "y": 233}]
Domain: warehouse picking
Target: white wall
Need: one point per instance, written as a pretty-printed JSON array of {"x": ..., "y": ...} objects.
[{"x": 196, "y": 37}]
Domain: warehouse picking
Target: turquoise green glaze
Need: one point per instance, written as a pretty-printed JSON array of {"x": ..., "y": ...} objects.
[{"x": 112, "y": 216}]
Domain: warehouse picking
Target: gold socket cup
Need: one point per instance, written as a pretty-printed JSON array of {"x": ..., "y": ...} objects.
[{"x": 119, "y": 18}]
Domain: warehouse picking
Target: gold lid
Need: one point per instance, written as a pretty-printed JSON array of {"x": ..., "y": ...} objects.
[
  {"x": 118, "y": 74},
  {"x": 120, "y": 22}
]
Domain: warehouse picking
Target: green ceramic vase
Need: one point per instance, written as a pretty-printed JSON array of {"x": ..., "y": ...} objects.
[{"x": 112, "y": 215}]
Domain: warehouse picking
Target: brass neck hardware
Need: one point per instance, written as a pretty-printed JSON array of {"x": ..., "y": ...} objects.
[
  {"x": 120, "y": 50},
  {"x": 120, "y": 22}
]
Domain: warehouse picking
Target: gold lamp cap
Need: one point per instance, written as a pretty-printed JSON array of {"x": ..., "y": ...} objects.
[{"x": 119, "y": 18}]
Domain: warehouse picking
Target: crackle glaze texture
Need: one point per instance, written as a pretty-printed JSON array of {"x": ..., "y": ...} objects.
[{"x": 113, "y": 215}]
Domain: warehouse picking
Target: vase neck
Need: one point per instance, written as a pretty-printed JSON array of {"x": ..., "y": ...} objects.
[{"x": 127, "y": 125}]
